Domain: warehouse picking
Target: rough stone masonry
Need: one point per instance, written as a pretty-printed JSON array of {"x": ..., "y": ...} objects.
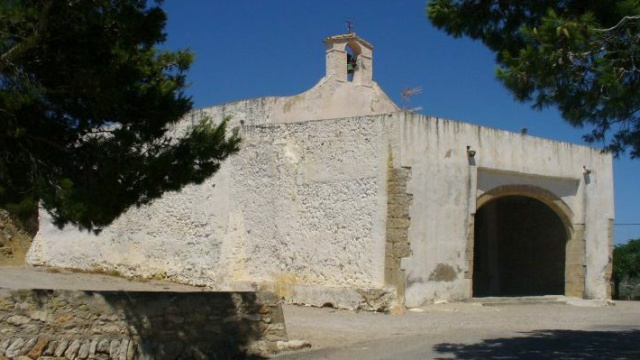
[{"x": 54, "y": 324}]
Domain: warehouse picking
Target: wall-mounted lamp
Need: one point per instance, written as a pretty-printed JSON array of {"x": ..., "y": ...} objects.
[
  {"x": 470, "y": 152},
  {"x": 586, "y": 170}
]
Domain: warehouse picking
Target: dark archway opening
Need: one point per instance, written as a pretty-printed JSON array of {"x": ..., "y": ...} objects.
[
  {"x": 352, "y": 61},
  {"x": 519, "y": 249}
]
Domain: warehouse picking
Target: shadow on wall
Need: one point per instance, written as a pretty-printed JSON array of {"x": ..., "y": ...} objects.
[
  {"x": 199, "y": 325},
  {"x": 15, "y": 238},
  {"x": 551, "y": 344}
]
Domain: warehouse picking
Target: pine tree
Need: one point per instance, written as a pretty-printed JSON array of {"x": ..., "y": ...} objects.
[
  {"x": 581, "y": 56},
  {"x": 88, "y": 103}
]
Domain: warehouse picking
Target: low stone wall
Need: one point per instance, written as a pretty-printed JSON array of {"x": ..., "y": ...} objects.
[{"x": 53, "y": 324}]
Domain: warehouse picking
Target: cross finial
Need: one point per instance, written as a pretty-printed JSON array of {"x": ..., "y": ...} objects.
[{"x": 349, "y": 26}]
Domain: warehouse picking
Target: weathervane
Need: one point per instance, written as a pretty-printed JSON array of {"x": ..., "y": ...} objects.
[{"x": 349, "y": 26}]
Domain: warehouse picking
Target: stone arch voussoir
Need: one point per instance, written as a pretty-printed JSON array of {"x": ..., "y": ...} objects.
[{"x": 555, "y": 203}]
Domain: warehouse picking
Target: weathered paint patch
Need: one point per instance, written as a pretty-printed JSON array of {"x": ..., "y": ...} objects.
[{"x": 443, "y": 272}]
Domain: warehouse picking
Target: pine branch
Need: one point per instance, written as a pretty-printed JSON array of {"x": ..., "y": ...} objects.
[
  {"x": 8, "y": 57},
  {"x": 623, "y": 21}
]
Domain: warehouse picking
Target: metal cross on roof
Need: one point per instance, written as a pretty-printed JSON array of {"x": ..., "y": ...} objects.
[{"x": 349, "y": 26}]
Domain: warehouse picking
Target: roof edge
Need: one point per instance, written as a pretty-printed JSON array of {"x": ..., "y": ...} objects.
[{"x": 349, "y": 36}]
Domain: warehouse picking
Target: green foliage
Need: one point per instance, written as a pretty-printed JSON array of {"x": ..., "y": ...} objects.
[
  {"x": 626, "y": 260},
  {"x": 88, "y": 105},
  {"x": 626, "y": 264},
  {"x": 629, "y": 289},
  {"x": 577, "y": 55}
]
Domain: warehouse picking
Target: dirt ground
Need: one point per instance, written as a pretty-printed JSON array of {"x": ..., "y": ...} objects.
[
  {"x": 21, "y": 277},
  {"x": 516, "y": 329},
  {"x": 583, "y": 330}
]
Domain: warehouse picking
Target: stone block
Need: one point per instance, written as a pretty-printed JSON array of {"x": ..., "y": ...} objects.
[
  {"x": 397, "y": 235},
  {"x": 395, "y": 210},
  {"x": 51, "y": 348},
  {"x": 292, "y": 345},
  {"x": 38, "y": 348},
  {"x": 573, "y": 289},
  {"x": 401, "y": 250},
  {"x": 28, "y": 345},
  {"x": 4, "y": 345},
  {"x": 103, "y": 346},
  {"x": 93, "y": 346},
  {"x": 575, "y": 271},
  {"x": 394, "y": 187},
  {"x": 388, "y": 247},
  {"x": 62, "y": 346},
  {"x": 123, "y": 348},
  {"x": 114, "y": 345},
  {"x": 18, "y": 320},
  {"x": 14, "y": 349},
  {"x": 398, "y": 223},
  {"x": 39, "y": 315},
  {"x": 72, "y": 350},
  {"x": 264, "y": 309},
  {"x": 392, "y": 262},
  {"x": 83, "y": 352}
]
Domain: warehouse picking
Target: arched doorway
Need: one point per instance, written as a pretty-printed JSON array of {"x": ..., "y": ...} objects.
[
  {"x": 519, "y": 248},
  {"x": 353, "y": 51}
]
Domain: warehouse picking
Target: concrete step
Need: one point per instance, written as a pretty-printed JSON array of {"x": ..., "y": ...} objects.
[{"x": 520, "y": 300}]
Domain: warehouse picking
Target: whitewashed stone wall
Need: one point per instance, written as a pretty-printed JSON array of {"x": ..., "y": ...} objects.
[
  {"x": 301, "y": 204},
  {"x": 445, "y": 184},
  {"x": 302, "y": 209}
]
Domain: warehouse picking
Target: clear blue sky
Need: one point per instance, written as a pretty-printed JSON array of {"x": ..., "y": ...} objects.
[{"x": 255, "y": 48}]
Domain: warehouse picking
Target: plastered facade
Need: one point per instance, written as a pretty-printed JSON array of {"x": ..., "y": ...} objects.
[
  {"x": 339, "y": 197},
  {"x": 446, "y": 185},
  {"x": 282, "y": 210}
]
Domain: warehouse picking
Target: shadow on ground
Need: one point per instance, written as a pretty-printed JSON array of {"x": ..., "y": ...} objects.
[{"x": 551, "y": 344}]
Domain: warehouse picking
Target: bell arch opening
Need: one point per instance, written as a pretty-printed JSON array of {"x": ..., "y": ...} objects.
[
  {"x": 353, "y": 51},
  {"x": 519, "y": 248}
]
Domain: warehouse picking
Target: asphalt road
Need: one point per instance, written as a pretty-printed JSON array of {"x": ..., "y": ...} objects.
[{"x": 470, "y": 331}]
